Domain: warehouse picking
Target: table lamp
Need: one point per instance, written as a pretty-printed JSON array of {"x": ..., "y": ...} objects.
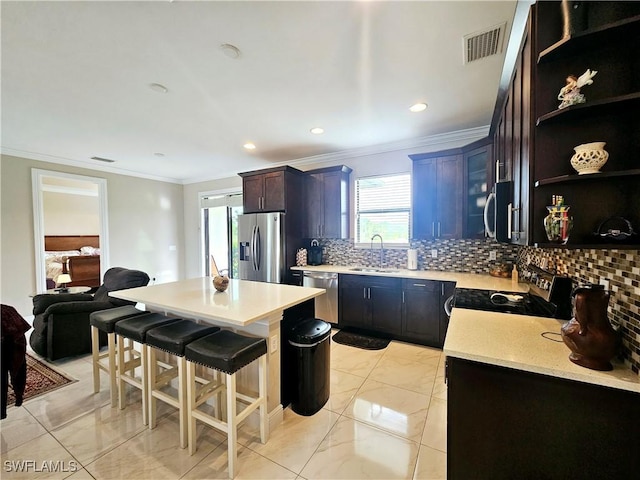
[{"x": 62, "y": 280}]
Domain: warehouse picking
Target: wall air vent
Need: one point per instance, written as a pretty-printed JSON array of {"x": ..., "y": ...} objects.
[
  {"x": 484, "y": 43},
  {"x": 100, "y": 159}
]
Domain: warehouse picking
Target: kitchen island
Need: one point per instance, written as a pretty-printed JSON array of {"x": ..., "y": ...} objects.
[
  {"x": 255, "y": 308},
  {"x": 518, "y": 408}
]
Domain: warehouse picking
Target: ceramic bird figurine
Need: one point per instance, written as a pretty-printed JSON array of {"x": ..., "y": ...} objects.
[
  {"x": 585, "y": 78},
  {"x": 570, "y": 93}
]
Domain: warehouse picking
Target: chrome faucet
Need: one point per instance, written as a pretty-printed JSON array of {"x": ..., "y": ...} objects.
[{"x": 381, "y": 248}]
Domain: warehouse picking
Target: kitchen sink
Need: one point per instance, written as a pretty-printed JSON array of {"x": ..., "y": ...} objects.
[{"x": 375, "y": 270}]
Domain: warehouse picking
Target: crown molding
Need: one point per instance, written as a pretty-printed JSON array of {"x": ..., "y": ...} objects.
[
  {"x": 422, "y": 144},
  {"x": 429, "y": 143},
  {"x": 43, "y": 157}
]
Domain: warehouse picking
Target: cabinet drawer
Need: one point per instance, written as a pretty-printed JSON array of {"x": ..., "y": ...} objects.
[
  {"x": 424, "y": 285},
  {"x": 368, "y": 281}
]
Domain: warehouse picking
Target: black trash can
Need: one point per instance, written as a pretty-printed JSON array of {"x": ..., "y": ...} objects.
[{"x": 310, "y": 342}]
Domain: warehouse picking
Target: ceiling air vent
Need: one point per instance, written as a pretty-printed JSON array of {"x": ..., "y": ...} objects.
[
  {"x": 484, "y": 44},
  {"x": 100, "y": 159}
]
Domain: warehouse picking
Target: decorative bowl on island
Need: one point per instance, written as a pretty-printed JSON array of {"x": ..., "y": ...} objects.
[{"x": 220, "y": 283}]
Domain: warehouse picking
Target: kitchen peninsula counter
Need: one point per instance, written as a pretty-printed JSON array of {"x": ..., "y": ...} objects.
[
  {"x": 527, "y": 343},
  {"x": 517, "y": 407}
]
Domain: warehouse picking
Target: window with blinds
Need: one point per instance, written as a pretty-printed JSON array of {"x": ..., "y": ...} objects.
[{"x": 383, "y": 206}]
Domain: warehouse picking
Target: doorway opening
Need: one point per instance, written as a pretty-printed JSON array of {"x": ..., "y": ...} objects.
[
  {"x": 219, "y": 240},
  {"x": 69, "y": 211}
]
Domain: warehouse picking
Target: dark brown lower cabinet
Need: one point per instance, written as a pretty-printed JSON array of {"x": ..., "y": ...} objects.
[
  {"x": 510, "y": 424},
  {"x": 370, "y": 302},
  {"x": 421, "y": 310},
  {"x": 404, "y": 309}
]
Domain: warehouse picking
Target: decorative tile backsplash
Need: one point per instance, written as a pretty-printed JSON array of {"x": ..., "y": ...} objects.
[
  {"x": 620, "y": 267},
  {"x": 622, "y": 270},
  {"x": 451, "y": 255}
]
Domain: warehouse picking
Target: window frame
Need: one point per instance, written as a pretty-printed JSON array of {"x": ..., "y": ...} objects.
[{"x": 387, "y": 245}]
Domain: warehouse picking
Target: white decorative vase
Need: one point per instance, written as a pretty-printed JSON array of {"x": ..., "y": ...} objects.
[{"x": 589, "y": 157}]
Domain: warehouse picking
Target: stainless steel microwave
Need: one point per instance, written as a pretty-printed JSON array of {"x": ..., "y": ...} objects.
[{"x": 496, "y": 212}]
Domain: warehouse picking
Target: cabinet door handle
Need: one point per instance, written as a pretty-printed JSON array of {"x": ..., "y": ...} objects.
[
  {"x": 369, "y": 293},
  {"x": 403, "y": 296},
  {"x": 442, "y": 288},
  {"x": 509, "y": 214},
  {"x": 433, "y": 229},
  {"x": 419, "y": 285},
  {"x": 439, "y": 230}
]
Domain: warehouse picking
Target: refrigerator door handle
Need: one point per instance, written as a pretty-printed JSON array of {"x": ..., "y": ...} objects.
[
  {"x": 258, "y": 245},
  {"x": 253, "y": 247}
]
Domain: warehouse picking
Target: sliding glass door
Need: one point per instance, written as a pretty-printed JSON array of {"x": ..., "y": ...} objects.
[{"x": 220, "y": 233}]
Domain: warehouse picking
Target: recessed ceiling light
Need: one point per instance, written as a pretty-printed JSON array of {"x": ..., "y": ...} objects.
[
  {"x": 159, "y": 154},
  {"x": 229, "y": 50},
  {"x": 418, "y": 107},
  {"x": 156, "y": 87},
  {"x": 249, "y": 146},
  {"x": 317, "y": 130}
]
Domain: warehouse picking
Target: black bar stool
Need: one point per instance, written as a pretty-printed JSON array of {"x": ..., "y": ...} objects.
[
  {"x": 136, "y": 329},
  {"x": 227, "y": 352},
  {"x": 105, "y": 321},
  {"x": 172, "y": 338}
]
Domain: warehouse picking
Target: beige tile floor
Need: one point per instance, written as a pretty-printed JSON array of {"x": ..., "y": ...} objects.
[{"x": 386, "y": 418}]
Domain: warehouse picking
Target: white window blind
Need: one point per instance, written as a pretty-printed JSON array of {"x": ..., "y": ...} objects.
[{"x": 383, "y": 206}]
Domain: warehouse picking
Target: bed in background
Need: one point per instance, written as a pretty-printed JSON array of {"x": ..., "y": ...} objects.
[{"x": 78, "y": 254}]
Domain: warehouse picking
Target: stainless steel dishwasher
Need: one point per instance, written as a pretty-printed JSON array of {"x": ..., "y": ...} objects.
[{"x": 327, "y": 304}]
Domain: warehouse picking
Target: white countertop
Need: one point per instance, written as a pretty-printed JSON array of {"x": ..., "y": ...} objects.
[
  {"x": 243, "y": 302},
  {"x": 463, "y": 280},
  {"x": 512, "y": 341},
  {"x": 516, "y": 341}
]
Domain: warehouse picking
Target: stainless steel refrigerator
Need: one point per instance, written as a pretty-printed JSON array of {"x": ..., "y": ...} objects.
[{"x": 262, "y": 246}]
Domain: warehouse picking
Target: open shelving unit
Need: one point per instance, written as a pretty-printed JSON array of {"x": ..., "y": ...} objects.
[{"x": 609, "y": 45}]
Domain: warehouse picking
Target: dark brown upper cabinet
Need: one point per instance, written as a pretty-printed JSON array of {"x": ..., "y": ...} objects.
[
  {"x": 450, "y": 189},
  {"x": 272, "y": 190},
  {"x": 476, "y": 186},
  {"x": 437, "y": 195},
  {"x": 327, "y": 193}
]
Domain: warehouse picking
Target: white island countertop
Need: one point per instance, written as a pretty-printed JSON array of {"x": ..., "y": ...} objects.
[{"x": 243, "y": 302}]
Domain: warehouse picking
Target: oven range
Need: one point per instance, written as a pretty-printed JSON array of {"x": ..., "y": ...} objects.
[{"x": 503, "y": 302}]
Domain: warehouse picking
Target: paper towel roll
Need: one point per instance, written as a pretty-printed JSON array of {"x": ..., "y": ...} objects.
[{"x": 412, "y": 259}]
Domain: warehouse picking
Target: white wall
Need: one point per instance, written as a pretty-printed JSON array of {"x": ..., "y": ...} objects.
[
  {"x": 69, "y": 214},
  {"x": 146, "y": 218}
]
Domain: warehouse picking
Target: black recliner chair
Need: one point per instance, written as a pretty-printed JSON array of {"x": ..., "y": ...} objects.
[{"x": 61, "y": 325}]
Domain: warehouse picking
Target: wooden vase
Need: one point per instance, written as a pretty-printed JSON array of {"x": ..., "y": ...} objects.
[{"x": 589, "y": 335}]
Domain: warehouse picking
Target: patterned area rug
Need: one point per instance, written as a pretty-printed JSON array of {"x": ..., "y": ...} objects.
[
  {"x": 354, "y": 338},
  {"x": 41, "y": 379}
]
